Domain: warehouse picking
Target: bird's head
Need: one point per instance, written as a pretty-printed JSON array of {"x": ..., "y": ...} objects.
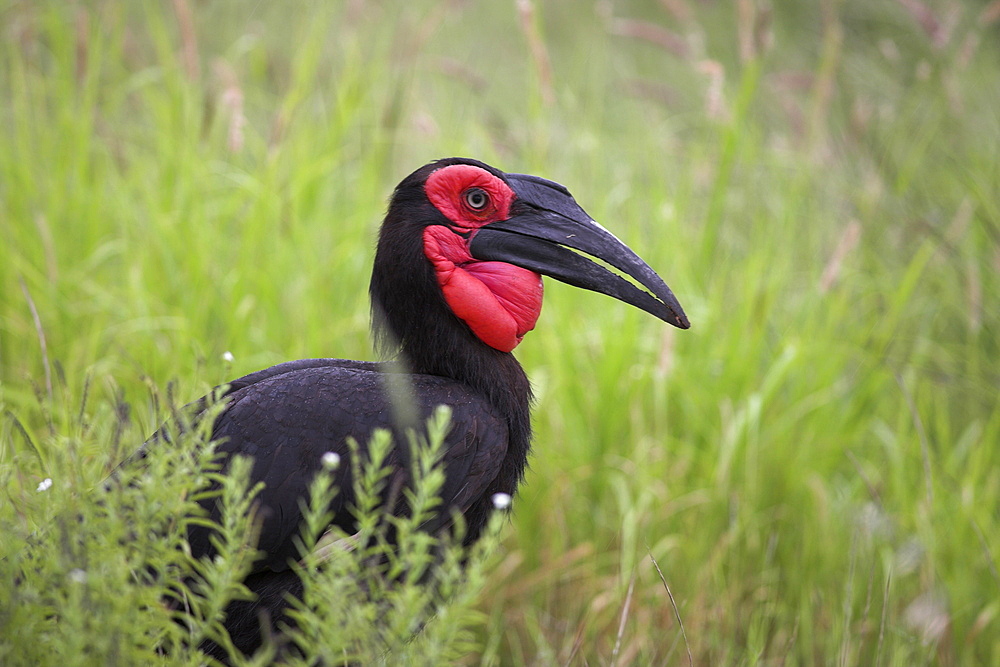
[{"x": 481, "y": 237}]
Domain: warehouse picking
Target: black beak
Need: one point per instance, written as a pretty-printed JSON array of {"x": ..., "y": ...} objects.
[{"x": 545, "y": 223}]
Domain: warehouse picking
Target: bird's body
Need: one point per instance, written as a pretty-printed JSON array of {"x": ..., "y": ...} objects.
[
  {"x": 289, "y": 416},
  {"x": 455, "y": 287}
]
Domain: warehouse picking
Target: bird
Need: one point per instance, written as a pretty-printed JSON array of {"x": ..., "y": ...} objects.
[{"x": 456, "y": 284}]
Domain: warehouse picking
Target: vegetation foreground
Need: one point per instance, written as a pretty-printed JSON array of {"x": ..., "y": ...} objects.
[{"x": 189, "y": 191}]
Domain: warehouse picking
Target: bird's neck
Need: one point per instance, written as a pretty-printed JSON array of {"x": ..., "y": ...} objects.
[
  {"x": 435, "y": 342},
  {"x": 495, "y": 375},
  {"x": 413, "y": 324}
]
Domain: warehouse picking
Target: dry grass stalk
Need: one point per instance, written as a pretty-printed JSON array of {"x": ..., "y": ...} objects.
[
  {"x": 667, "y": 40},
  {"x": 848, "y": 241},
  {"x": 990, "y": 14},
  {"x": 82, "y": 44},
  {"x": 940, "y": 31},
  {"x": 189, "y": 42},
  {"x": 539, "y": 54},
  {"x": 673, "y": 604},
  {"x": 745, "y": 12},
  {"x": 621, "y": 622},
  {"x": 753, "y": 29},
  {"x": 279, "y": 125},
  {"x": 665, "y": 361},
  {"x": 232, "y": 102},
  {"x": 968, "y": 49},
  {"x": 578, "y": 639},
  {"x": 847, "y": 641},
  {"x": 861, "y": 116},
  {"x": 763, "y": 32},
  {"x": 40, "y": 332},
  {"x": 975, "y": 297},
  {"x": 923, "y": 15},
  {"x": 679, "y": 9},
  {"x": 715, "y": 103},
  {"x": 881, "y": 625}
]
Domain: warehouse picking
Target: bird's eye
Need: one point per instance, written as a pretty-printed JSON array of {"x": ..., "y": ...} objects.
[{"x": 476, "y": 199}]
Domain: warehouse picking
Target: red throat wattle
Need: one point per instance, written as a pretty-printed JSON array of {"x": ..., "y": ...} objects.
[{"x": 500, "y": 302}]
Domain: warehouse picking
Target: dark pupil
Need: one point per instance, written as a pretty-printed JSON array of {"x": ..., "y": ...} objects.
[{"x": 476, "y": 198}]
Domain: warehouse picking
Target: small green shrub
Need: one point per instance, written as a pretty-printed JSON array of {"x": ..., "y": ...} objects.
[
  {"x": 109, "y": 578},
  {"x": 370, "y": 600}
]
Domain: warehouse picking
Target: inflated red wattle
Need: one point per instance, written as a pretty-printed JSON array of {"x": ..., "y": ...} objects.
[{"x": 500, "y": 302}]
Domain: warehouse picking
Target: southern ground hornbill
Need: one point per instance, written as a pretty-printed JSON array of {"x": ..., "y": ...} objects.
[{"x": 455, "y": 287}]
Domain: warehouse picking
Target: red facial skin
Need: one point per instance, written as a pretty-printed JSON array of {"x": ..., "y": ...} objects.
[{"x": 500, "y": 302}]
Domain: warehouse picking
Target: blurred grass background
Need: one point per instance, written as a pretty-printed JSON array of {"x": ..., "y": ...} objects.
[{"x": 814, "y": 466}]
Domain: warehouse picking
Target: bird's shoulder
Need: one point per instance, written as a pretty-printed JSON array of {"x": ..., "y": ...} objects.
[
  {"x": 331, "y": 394},
  {"x": 287, "y": 417}
]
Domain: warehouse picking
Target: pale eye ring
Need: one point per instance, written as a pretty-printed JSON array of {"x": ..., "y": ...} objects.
[{"x": 476, "y": 198}]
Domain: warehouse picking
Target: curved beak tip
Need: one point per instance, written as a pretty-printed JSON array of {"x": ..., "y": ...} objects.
[{"x": 554, "y": 236}]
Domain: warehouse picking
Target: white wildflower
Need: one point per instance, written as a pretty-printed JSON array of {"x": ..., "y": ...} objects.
[
  {"x": 331, "y": 460},
  {"x": 228, "y": 357},
  {"x": 501, "y": 500},
  {"x": 45, "y": 484}
]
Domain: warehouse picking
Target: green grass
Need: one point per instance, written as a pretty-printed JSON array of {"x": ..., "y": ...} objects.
[{"x": 813, "y": 466}]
